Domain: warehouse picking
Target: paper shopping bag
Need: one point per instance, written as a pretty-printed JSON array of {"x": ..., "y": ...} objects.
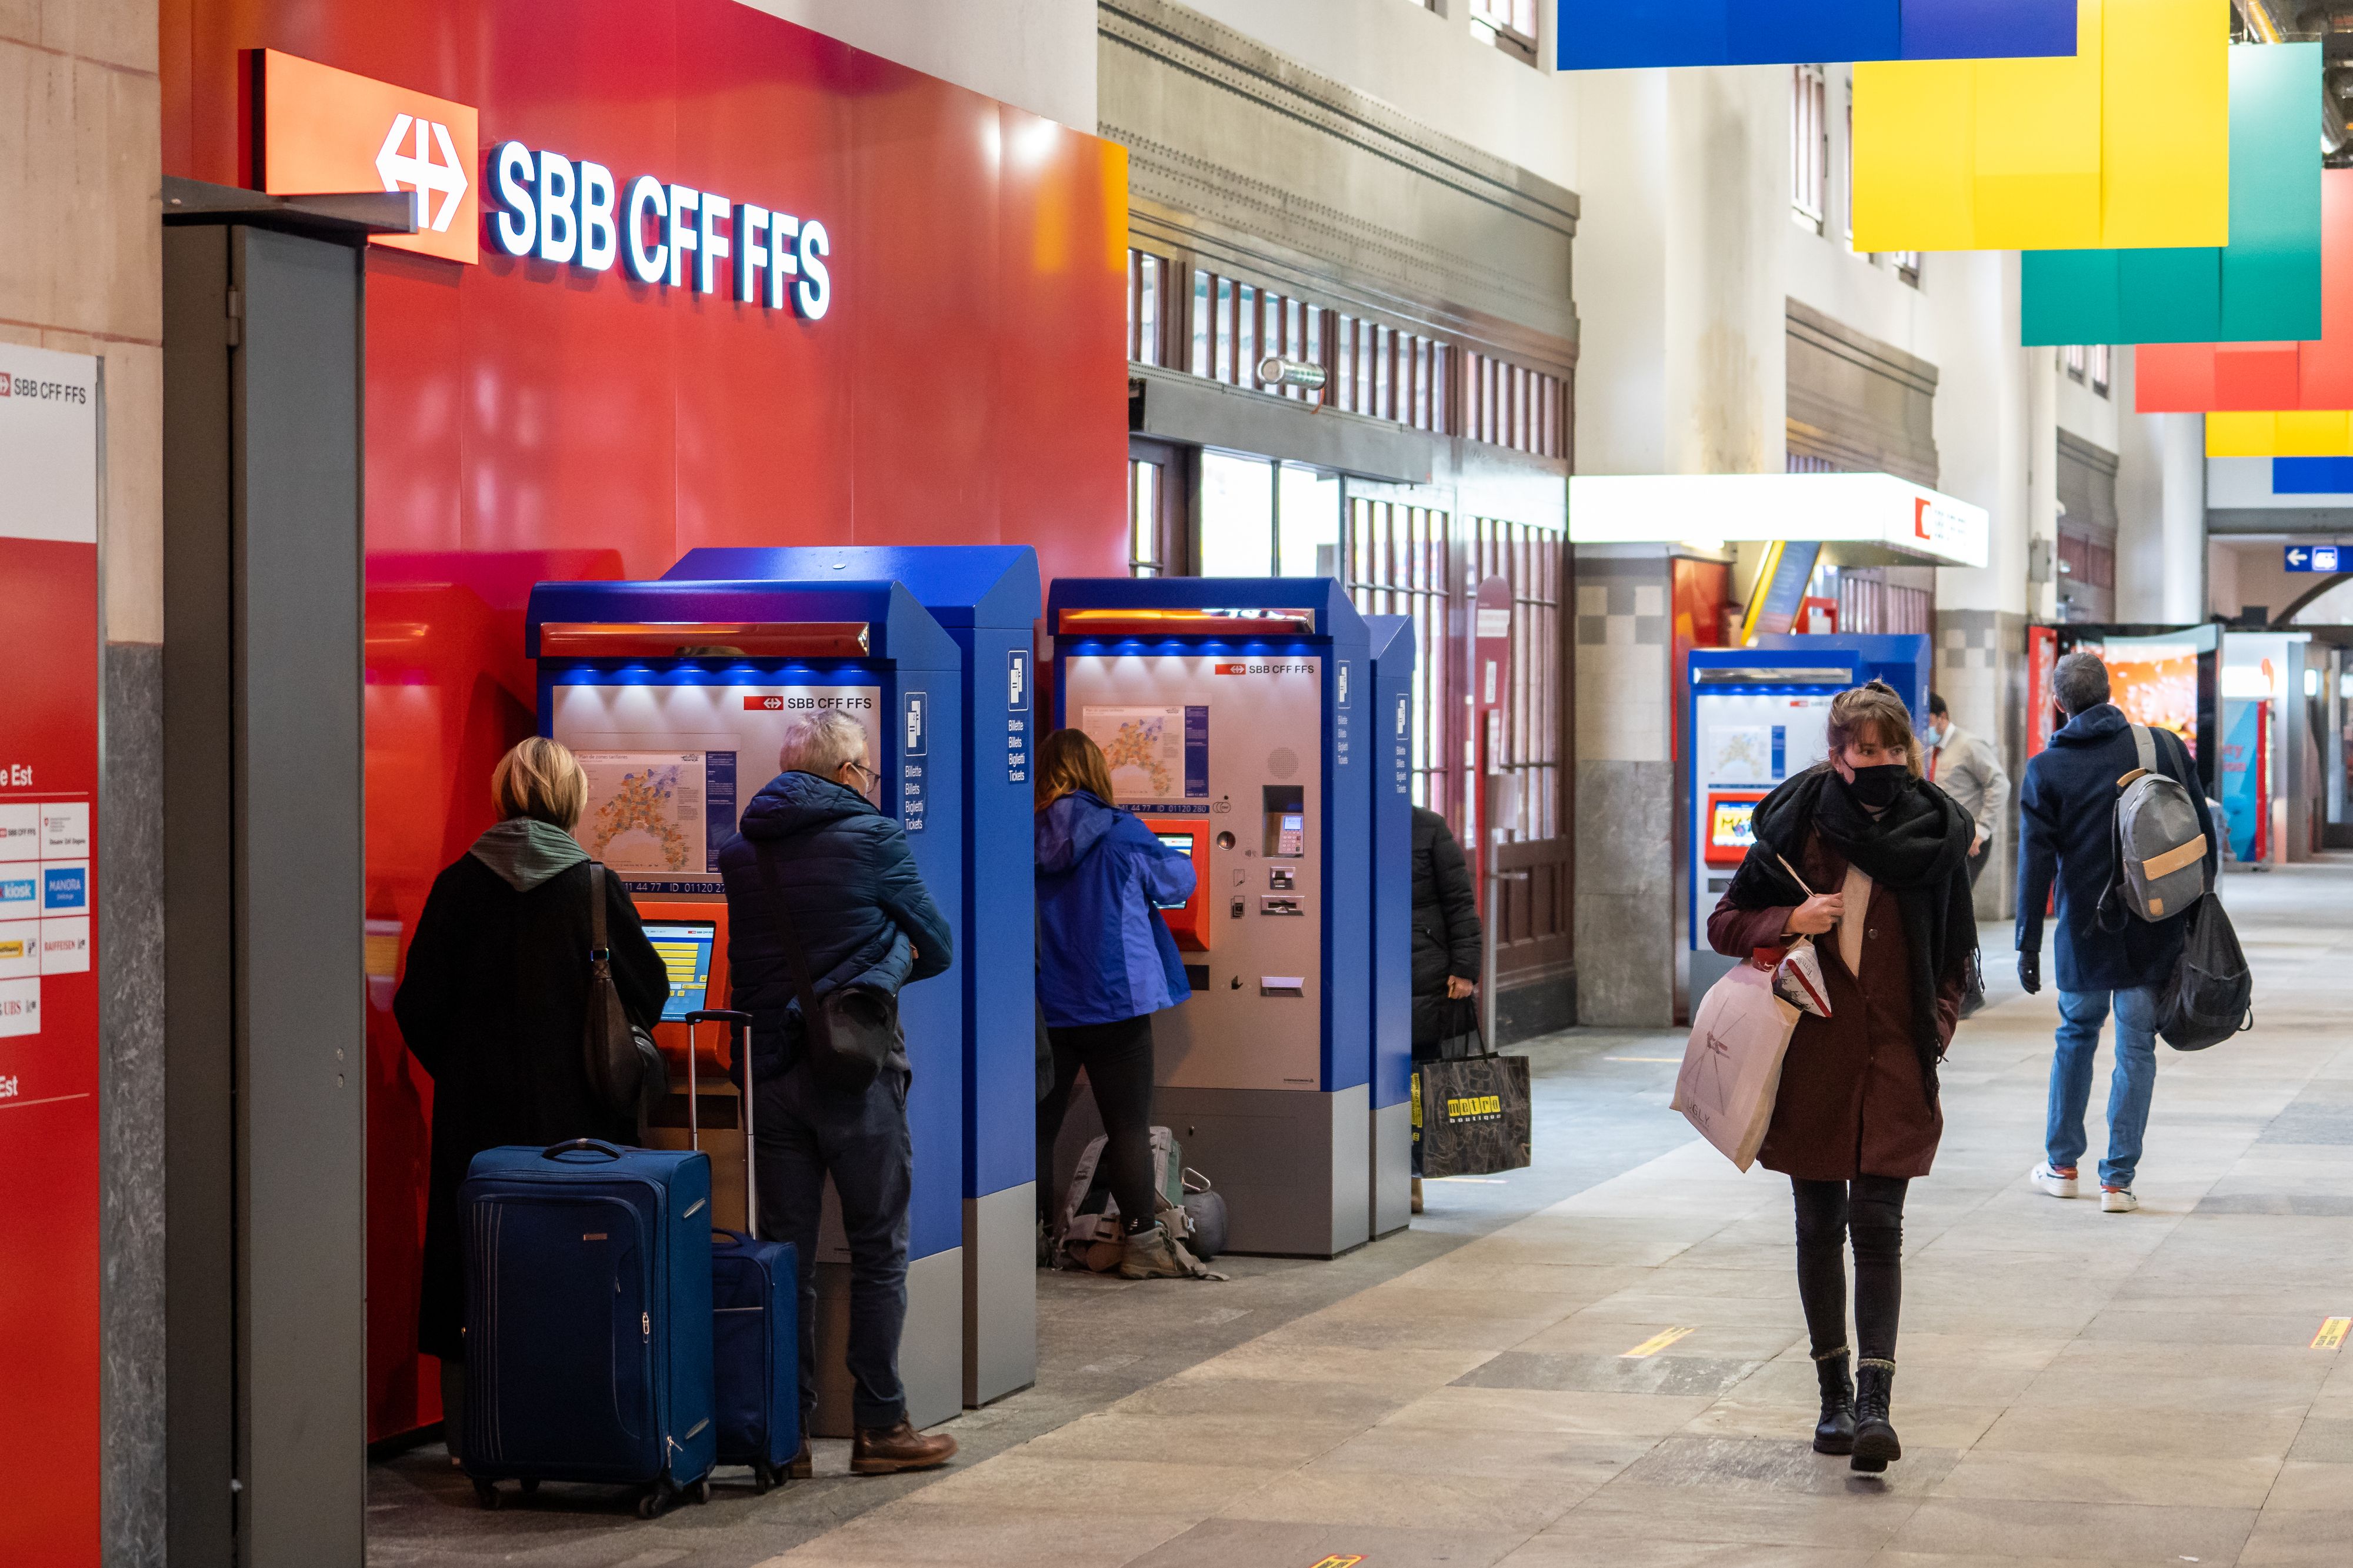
[{"x": 1732, "y": 1067}]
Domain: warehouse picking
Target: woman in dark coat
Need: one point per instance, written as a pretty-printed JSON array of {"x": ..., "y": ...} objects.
[
  {"x": 1884, "y": 859},
  {"x": 493, "y": 1001},
  {"x": 1447, "y": 937}
]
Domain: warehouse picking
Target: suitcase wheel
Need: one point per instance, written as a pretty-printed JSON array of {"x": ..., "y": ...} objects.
[
  {"x": 529, "y": 1485},
  {"x": 488, "y": 1494},
  {"x": 763, "y": 1477},
  {"x": 654, "y": 1501},
  {"x": 702, "y": 1489}
]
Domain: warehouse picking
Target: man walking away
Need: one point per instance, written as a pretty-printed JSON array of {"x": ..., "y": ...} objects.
[
  {"x": 813, "y": 846},
  {"x": 1968, "y": 769},
  {"x": 2066, "y": 814}
]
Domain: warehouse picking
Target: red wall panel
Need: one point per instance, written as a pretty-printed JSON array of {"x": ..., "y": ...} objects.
[
  {"x": 2200, "y": 378},
  {"x": 968, "y": 386}
]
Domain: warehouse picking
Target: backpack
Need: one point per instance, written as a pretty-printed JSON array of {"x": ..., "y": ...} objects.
[
  {"x": 2212, "y": 994},
  {"x": 2159, "y": 850},
  {"x": 1090, "y": 1233}
]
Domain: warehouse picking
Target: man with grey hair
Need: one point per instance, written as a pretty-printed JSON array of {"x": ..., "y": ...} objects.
[
  {"x": 2066, "y": 813},
  {"x": 814, "y": 861}
]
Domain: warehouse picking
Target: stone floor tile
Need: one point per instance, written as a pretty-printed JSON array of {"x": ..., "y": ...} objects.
[
  {"x": 2304, "y": 1488},
  {"x": 1247, "y": 1544},
  {"x": 1559, "y": 1372},
  {"x": 1406, "y": 1450},
  {"x": 2323, "y": 1441},
  {"x": 1864, "y": 1519},
  {"x": 1571, "y": 1552},
  {"x": 1387, "y": 1498},
  {"x": 2109, "y": 1476},
  {"x": 1262, "y": 1440},
  {"x": 2104, "y": 1533},
  {"x": 993, "y": 1537},
  {"x": 1712, "y": 1467},
  {"x": 2299, "y": 1538},
  {"x": 1713, "y": 1327},
  {"x": 1926, "y": 1426}
]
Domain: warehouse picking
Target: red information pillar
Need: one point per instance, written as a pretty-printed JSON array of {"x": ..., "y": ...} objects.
[{"x": 49, "y": 979}]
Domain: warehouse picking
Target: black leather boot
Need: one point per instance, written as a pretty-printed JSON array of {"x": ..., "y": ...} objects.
[
  {"x": 1874, "y": 1436},
  {"x": 1835, "y": 1432}
]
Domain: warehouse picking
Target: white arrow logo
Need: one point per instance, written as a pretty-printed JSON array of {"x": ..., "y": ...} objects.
[
  {"x": 418, "y": 170},
  {"x": 2296, "y": 557}
]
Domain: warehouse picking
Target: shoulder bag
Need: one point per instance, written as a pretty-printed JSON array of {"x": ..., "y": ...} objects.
[
  {"x": 624, "y": 1067},
  {"x": 851, "y": 1030}
]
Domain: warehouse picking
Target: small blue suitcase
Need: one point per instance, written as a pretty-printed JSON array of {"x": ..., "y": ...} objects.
[
  {"x": 588, "y": 1319},
  {"x": 755, "y": 1297}
]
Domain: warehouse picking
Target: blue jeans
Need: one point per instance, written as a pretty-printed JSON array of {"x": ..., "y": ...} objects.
[
  {"x": 803, "y": 1131},
  {"x": 2081, "y": 1013}
]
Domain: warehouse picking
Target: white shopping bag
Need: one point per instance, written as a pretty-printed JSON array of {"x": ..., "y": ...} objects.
[
  {"x": 1798, "y": 977},
  {"x": 1732, "y": 1067}
]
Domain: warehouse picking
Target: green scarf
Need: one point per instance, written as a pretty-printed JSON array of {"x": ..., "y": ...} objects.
[{"x": 525, "y": 851}]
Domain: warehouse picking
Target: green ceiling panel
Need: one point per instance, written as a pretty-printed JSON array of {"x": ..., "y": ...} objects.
[{"x": 2264, "y": 286}]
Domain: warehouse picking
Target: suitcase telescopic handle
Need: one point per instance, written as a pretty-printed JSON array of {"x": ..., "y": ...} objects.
[{"x": 739, "y": 1026}]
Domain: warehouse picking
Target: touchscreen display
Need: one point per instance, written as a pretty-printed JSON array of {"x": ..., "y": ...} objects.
[
  {"x": 685, "y": 950},
  {"x": 1182, "y": 843}
]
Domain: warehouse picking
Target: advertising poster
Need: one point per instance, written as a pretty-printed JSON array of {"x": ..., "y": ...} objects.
[
  {"x": 2155, "y": 681},
  {"x": 49, "y": 979}
]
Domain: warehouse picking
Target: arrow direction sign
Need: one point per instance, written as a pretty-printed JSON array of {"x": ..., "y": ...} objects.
[{"x": 2313, "y": 558}]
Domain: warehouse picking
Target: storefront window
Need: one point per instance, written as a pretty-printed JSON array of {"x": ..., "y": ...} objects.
[{"x": 1237, "y": 515}]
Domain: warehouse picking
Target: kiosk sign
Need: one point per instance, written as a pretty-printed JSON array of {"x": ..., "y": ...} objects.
[{"x": 49, "y": 984}]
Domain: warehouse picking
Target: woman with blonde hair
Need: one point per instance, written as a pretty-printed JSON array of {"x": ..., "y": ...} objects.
[
  {"x": 1866, "y": 855},
  {"x": 494, "y": 1003},
  {"x": 1106, "y": 964}
]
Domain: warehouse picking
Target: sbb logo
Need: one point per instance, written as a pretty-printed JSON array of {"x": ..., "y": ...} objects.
[
  {"x": 327, "y": 130},
  {"x": 7, "y": 385}
]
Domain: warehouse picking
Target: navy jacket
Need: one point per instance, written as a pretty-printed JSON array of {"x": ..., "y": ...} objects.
[
  {"x": 845, "y": 873},
  {"x": 1104, "y": 953},
  {"x": 2066, "y": 813}
]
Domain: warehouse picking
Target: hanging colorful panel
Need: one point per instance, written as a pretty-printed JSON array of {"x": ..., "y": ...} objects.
[{"x": 1600, "y": 34}]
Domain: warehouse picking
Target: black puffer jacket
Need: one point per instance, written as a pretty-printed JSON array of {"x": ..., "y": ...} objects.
[
  {"x": 1446, "y": 932},
  {"x": 859, "y": 905}
]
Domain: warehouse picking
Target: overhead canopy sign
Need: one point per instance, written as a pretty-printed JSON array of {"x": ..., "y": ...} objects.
[
  {"x": 324, "y": 130},
  {"x": 1904, "y": 518}
]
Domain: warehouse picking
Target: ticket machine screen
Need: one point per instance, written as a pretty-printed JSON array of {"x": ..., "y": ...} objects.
[
  {"x": 685, "y": 950},
  {"x": 1183, "y": 843}
]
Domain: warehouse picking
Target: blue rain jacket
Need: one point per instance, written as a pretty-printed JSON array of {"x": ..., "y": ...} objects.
[{"x": 1103, "y": 951}]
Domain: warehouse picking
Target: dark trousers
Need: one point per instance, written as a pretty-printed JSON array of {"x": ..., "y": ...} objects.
[
  {"x": 804, "y": 1132},
  {"x": 1870, "y": 1211},
  {"x": 1118, "y": 1059}
]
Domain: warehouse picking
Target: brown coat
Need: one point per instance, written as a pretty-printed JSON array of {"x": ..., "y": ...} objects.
[{"x": 1851, "y": 1103}]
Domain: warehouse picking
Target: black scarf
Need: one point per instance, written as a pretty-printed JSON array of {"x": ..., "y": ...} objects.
[{"x": 1918, "y": 849}]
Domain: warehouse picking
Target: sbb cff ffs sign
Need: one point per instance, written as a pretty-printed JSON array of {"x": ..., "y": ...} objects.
[{"x": 321, "y": 130}]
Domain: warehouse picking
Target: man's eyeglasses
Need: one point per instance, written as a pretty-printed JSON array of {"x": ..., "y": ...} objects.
[{"x": 873, "y": 780}]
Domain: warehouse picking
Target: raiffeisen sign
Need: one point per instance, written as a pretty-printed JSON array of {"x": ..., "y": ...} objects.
[
  {"x": 1910, "y": 521},
  {"x": 323, "y": 129},
  {"x": 575, "y": 214}
]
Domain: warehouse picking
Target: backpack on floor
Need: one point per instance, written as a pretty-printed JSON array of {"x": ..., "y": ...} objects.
[
  {"x": 2159, "y": 850},
  {"x": 2212, "y": 994},
  {"x": 1091, "y": 1234}
]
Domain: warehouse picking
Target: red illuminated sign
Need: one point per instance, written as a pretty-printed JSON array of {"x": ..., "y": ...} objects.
[{"x": 325, "y": 131}]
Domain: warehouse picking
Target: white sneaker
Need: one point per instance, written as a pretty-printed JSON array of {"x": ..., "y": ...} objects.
[
  {"x": 2050, "y": 1183},
  {"x": 2117, "y": 1200}
]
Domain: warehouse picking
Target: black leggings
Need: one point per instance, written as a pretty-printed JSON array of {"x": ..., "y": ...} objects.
[
  {"x": 1873, "y": 1216},
  {"x": 1118, "y": 1059}
]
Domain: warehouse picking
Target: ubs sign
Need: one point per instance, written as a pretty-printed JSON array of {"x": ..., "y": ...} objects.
[{"x": 325, "y": 129}]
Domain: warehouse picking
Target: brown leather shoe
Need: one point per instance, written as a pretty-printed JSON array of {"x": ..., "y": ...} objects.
[
  {"x": 886, "y": 1451},
  {"x": 802, "y": 1466}
]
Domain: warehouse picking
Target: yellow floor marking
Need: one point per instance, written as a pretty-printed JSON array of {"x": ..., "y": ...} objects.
[
  {"x": 1671, "y": 1061},
  {"x": 2331, "y": 1335},
  {"x": 1656, "y": 1343},
  {"x": 1340, "y": 1562}
]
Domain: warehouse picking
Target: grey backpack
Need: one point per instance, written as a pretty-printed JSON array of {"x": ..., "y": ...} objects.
[{"x": 2160, "y": 851}]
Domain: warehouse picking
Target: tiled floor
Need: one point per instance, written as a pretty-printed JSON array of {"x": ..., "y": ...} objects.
[{"x": 2074, "y": 1387}]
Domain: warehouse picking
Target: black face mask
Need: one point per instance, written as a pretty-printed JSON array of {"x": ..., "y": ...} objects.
[{"x": 1878, "y": 787}]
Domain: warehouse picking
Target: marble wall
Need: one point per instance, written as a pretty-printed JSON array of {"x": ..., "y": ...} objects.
[
  {"x": 1980, "y": 671},
  {"x": 80, "y": 171},
  {"x": 1626, "y": 927}
]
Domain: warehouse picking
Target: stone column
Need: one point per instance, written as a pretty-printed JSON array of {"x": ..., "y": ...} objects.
[
  {"x": 1626, "y": 924},
  {"x": 2184, "y": 597}
]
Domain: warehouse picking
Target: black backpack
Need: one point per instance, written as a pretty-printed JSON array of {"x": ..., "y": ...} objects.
[{"x": 2212, "y": 994}]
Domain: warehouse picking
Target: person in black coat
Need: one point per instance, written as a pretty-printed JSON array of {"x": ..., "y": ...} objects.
[
  {"x": 812, "y": 847},
  {"x": 2066, "y": 815},
  {"x": 1447, "y": 937},
  {"x": 493, "y": 1001}
]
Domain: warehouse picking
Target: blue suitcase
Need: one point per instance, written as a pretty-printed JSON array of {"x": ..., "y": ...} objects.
[
  {"x": 755, "y": 1297},
  {"x": 588, "y": 1319}
]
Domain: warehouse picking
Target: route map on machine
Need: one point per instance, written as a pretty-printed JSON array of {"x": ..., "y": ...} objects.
[
  {"x": 645, "y": 813},
  {"x": 1743, "y": 754},
  {"x": 1143, "y": 747}
]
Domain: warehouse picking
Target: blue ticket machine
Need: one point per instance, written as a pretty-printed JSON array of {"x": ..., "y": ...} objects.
[
  {"x": 985, "y": 598},
  {"x": 1390, "y": 755},
  {"x": 676, "y": 696},
  {"x": 1901, "y": 659},
  {"x": 1233, "y": 714},
  {"x": 1751, "y": 718}
]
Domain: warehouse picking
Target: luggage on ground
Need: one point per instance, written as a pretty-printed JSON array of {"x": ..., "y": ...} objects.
[
  {"x": 2160, "y": 852},
  {"x": 1732, "y": 1065},
  {"x": 588, "y": 1319},
  {"x": 1091, "y": 1235},
  {"x": 1204, "y": 1216},
  {"x": 1471, "y": 1115},
  {"x": 2211, "y": 993},
  {"x": 755, "y": 1301}
]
